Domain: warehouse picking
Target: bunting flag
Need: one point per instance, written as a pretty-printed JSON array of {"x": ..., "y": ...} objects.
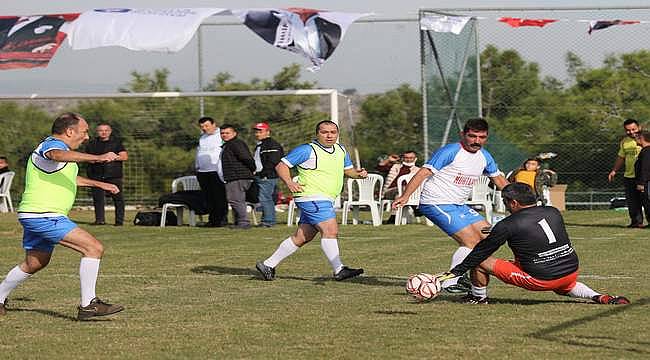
[
  {"x": 30, "y": 41},
  {"x": 167, "y": 30},
  {"x": 604, "y": 24},
  {"x": 441, "y": 23},
  {"x": 518, "y": 22},
  {"x": 314, "y": 34}
]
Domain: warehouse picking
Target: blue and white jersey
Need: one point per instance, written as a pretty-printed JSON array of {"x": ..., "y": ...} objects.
[
  {"x": 305, "y": 157},
  {"x": 41, "y": 161},
  {"x": 455, "y": 170}
]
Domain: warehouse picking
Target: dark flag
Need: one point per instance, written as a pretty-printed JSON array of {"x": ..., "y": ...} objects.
[
  {"x": 604, "y": 24},
  {"x": 30, "y": 41},
  {"x": 312, "y": 33}
]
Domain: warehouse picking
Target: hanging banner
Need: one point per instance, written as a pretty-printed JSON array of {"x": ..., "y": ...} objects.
[
  {"x": 314, "y": 34},
  {"x": 30, "y": 41},
  {"x": 441, "y": 23},
  {"x": 167, "y": 30}
]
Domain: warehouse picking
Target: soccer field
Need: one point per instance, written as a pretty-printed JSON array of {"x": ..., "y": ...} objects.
[{"x": 194, "y": 293}]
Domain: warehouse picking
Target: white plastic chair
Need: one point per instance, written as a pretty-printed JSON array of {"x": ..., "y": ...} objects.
[
  {"x": 5, "y": 197},
  {"x": 413, "y": 200},
  {"x": 365, "y": 196},
  {"x": 481, "y": 196},
  {"x": 187, "y": 183}
]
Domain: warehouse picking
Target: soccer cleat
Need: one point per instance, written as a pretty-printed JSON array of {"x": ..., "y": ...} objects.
[
  {"x": 97, "y": 308},
  {"x": 472, "y": 299},
  {"x": 268, "y": 273},
  {"x": 608, "y": 299},
  {"x": 346, "y": 273},
  {"x": 463, "y": 285},
  {"x": 3, "y": 308}
]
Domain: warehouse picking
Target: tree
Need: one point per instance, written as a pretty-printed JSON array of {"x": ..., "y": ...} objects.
[{"x": 390, "y": 122}]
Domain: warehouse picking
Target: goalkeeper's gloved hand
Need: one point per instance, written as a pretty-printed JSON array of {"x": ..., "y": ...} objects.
[{"x": 445, "y": 276}]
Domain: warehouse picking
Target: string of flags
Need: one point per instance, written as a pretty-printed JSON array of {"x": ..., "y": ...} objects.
[
  {"x": 455, "y": 24},
  {"x": 32, "y": 41}
]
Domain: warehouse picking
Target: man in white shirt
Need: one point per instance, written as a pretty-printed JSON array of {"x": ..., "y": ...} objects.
[{"x": 209, "y": 172}]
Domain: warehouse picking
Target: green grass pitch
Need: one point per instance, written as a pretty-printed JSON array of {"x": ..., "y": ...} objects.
[{"x": 194, "y": 293}]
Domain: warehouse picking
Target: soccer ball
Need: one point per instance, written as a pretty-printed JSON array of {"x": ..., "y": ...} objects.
[{"x": 423, "y": 287}]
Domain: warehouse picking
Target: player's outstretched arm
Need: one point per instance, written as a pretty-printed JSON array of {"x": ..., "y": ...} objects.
[
  {"x": 356, "y": 173},
  {"x": 76, "y": 156},
  {"x": 83, "y": 181},
  {"x": 415, "y": 182}
]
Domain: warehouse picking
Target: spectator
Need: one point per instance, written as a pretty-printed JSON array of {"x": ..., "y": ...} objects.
[
  {"x": 385, "y": 163},
  {"x": 4, "y": 167},
  {"x": 238, "y": 167},
  {"x": 209, "y": 172},
  {"x": 628, "y": 151},
  {"x": 406, "y": 166},
  {"x": 268, "y": 153},
  {"x": 108, "y": 172},
  {"x": 531, "y": 173},
  {"x": 642, "y": 171}
]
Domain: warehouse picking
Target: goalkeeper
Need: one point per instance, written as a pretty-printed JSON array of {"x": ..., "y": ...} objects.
[{"x": 544, "y": 258}]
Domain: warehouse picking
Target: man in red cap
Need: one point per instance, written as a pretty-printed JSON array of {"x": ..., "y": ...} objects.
[{"x": 268, "y": 153}]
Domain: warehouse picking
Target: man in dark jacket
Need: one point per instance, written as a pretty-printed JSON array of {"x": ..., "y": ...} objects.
[
  {"x": 268, "y": 153},
  {"x": 642, "y": 171},
  {"x": 238, "y": 167},
  {"x": 109, "y": 172}
]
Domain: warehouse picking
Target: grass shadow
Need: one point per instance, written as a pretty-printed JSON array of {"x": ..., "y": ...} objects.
[
  {"x": 51, "y": 313},
  {"x": 611, "y": 226},
  {"x": 363, "y": 280},
  {"x": 618, "y": 343}
]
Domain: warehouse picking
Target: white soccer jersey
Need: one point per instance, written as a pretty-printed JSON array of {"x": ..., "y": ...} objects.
[{"x": 455, "y": 170}]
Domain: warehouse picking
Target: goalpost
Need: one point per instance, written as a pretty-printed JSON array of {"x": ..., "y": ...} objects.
[{"x": 160, "y": 130}]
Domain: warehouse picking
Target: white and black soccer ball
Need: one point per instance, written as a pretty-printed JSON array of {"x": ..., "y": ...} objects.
[{"x": 423, "y": 287}]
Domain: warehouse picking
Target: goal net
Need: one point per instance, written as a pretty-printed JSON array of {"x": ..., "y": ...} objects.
[{"x": 160, "y": 130}]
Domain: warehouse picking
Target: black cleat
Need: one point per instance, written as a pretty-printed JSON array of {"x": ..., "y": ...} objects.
[
  {"x": 268, "y": 273},
  {"x": 464, "y": 285},
  {"x": 3, "y": 308},
  {"x": 97, "y": 308},
  {"x": 346, "y": 273},
  {"x": 472, "y": 299},
  {"x": 611, "y": 300}
]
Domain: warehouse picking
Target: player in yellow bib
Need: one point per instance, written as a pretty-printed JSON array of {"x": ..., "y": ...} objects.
[
  {"x": 51, "y": 182},
  {"x": 321, "y": 166}
]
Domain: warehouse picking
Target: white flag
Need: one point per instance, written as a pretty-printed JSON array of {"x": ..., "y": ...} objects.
[
  {"x": 441, "y": 23},
  {"x": 137, "y": 29}
]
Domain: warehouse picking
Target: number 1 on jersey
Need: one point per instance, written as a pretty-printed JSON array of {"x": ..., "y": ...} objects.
[{"x": 547, "y": 230}]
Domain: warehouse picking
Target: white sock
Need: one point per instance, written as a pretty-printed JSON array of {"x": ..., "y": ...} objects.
[
  {"x": 88, "y": 271},
  {"x": 286, "y": 248},
  {"x": 458, "y": 256},
  {"x": 582, "y": 291},
  {"x": 331, "y": 249},
  {"x": 480, "y": 292},
  {"x": 14, "y": 278}
]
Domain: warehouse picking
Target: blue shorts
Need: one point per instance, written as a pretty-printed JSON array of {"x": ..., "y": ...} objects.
[
  {"x": 43, "y": 233},
  {"x": 315, "y": 212},
  {"x": 451, "y": 218}
]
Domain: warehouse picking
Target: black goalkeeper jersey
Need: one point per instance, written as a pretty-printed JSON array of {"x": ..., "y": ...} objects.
[{"x": 538, "y": 240}]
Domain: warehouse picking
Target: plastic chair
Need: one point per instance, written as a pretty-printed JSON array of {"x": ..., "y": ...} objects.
[
  {"x": 5, "y": 196},
  {"x": 481, "y": 196},
  {"x": 365, "y": 196},
  {"x": 187, "y": 183},
  {"x": 413, "y": 200}
]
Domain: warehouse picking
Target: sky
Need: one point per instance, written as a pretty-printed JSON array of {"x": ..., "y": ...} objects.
[{"x": 373, "y": 57}]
